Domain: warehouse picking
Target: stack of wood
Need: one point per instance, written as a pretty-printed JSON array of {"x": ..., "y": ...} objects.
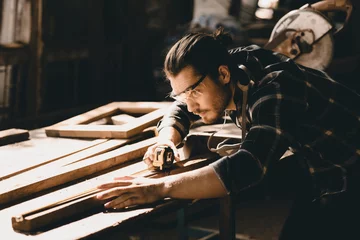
[{"x": 113, "y": 148}]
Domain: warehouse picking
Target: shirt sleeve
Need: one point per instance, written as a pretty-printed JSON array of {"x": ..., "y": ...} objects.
[
  {"x": 274, "y": 111},
  {"x": 179, "y": 118}
]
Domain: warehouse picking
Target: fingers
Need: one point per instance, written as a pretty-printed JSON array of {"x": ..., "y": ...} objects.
[
  {"x": 148, "y": 158},
  {"x": 176, "y": 156},
  {"x": 127, "y": 203},
  {"x": 124, "y": 178},
  {"x": 148, "y": 162},
  {"x": 113, "y": 185},
  {"x": 149, "y": 155},
  {"x": 135, "y": 191},
  {"x": 124, "y": 200}
]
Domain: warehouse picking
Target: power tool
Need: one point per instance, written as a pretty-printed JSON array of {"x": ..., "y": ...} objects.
[
  {"x": 164, "y": 158},
  {"x": 306, "y": 34}
]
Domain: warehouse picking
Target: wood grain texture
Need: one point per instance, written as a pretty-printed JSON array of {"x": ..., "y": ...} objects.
[
  {"x": 102, "y": 146},
  {"x": 25, "y": 168},
  {"x": 85, "y": 201},
  {"x": 11, "y": 190}
]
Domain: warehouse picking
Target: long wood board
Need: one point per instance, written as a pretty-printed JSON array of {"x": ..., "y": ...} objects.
[
  {"x": 38, "y": 173},
  {"x": 85, "y": 201},
  {"x": 22, "y": 168},
  {"x": 9, "y": 192}
]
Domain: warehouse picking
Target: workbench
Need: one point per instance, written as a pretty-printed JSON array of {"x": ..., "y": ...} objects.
[{"x": 15, "y": 157}]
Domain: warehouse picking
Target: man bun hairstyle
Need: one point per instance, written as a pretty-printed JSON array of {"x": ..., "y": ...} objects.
[
  {"x": 205, "y": 52},
  {"x": 222, "y": 37}
]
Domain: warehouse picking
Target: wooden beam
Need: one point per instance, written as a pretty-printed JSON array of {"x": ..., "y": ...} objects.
[
  {"x": 12, "y": 191},
  {"x": 86, "y": 201},
  {"x": 108, "y": 131},
  {"x": 13, "y": 135}
]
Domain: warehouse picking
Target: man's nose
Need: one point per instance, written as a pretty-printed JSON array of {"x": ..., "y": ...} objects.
[{"x": 192, "y": 106}]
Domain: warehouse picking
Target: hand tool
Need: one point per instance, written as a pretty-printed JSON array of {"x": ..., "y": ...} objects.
[{"x": 164, "y": 158}]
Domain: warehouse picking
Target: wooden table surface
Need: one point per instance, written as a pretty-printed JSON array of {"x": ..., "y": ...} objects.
[{"x": 39, "y": 148}]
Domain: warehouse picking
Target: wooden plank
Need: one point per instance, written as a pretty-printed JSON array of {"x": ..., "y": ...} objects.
[
  {"x": 22, "y": 168},
  {"x": 102, "y": 147},
  {"x": 89, "y": 223},
  {"x": 13, "y": 135},
  {"x": 38, "y": 172},
  {"x": 85, "y": 201},
  {"x": 77, "y": 170},
  {"x": 108, "y": 131}
]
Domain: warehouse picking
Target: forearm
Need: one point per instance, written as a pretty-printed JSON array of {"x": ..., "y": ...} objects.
[{"x": 197, "y": 184}]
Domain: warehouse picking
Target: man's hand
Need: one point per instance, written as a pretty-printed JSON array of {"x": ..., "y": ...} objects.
[
  {"x": 168, "y": 136},
  {"x": 131, "y": 191},
  {"x": 150, "y": 153},
  {"x": 195, "y": 184}
]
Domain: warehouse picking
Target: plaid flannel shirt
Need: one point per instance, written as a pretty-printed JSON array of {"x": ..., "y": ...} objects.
[{"x": 289, "y": 107}]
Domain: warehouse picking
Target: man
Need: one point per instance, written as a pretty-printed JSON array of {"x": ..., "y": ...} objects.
[{"x": 279, "y": 106}]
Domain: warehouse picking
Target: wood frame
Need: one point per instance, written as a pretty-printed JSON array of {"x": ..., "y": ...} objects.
[{"x": 76, "y": 126}]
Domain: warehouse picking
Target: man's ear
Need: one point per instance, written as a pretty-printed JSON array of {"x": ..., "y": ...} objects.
[{"x": 224, "y": 74}]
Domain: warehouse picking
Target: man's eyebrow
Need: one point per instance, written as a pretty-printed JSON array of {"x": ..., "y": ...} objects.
[{"x": 193, "y": 86}]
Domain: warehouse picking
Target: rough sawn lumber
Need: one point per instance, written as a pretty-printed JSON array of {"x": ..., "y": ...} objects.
[
  {"x": 74, "y": 171},
  {"x": 86, "y": 201}
]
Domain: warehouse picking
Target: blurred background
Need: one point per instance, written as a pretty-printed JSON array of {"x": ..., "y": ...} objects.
[{"x": 62, "y": 58}]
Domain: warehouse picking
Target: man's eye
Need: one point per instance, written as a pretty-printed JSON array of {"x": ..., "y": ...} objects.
[{"x": 195, "y": 93}]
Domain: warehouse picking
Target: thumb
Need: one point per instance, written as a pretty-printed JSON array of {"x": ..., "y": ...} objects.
[
  {"x": 176, "y": 154},
  {"x": 124, "y": 178}
]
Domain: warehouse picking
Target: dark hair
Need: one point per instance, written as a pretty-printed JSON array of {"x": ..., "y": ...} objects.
[{"x": 203, "y": 51}]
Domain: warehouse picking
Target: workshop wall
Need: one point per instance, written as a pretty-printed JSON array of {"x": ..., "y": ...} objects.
[
  {"x": 85, "y": 53},
  {"x": 82, "y": 54}
]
